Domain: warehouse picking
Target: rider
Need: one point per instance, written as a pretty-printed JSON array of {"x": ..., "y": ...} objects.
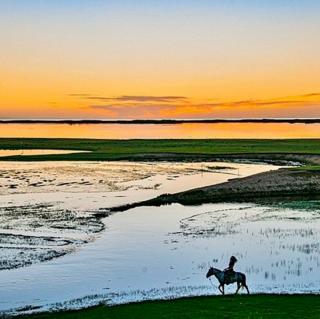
[{"x": 229, "y": 270}]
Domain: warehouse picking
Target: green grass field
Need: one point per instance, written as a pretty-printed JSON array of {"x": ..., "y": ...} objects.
[
  {"x": 235, "y": 307},
  {"x": 126, "y": 149}
]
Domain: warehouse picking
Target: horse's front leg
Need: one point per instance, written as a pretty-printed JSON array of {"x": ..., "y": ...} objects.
[{"x": 220, "y": 288}]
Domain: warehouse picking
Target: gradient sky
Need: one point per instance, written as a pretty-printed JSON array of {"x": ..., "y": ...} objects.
[{"x": 159, "y": 59}]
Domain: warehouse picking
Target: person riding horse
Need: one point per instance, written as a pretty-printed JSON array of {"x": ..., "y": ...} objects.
[{"x": 229, "y": 276}]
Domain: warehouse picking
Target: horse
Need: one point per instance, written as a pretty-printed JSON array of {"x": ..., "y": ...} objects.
[{"x": 224, "y": 279}]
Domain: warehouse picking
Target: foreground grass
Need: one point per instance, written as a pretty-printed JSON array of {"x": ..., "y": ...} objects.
[
  {"x": 236, "y": 307},
  {"x": 127, "y": 149}
]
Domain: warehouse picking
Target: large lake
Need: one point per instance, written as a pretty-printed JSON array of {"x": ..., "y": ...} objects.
[{"x": 131, "y": 131}]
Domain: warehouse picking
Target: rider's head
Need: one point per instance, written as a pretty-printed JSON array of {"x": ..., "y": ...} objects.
[{"x": 233, "y": 259}]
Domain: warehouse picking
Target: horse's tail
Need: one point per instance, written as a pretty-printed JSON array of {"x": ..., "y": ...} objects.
[{"x": 244, "y": 280}]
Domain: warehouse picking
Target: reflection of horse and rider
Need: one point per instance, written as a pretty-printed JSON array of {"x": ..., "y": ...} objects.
[{"x": 229, "y": 276}]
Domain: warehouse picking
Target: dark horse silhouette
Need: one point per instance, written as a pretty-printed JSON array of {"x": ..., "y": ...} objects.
[{"x": 227, "y": 279}]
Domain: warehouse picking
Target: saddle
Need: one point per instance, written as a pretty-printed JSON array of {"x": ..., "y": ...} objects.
[{"x": 229, "y": 276}]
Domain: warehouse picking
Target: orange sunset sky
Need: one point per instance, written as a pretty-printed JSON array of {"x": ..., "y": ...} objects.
[{"x": 159, "y": 59}]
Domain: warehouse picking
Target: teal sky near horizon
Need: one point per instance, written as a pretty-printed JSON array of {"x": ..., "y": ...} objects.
[{"x": 159, "y": 59}]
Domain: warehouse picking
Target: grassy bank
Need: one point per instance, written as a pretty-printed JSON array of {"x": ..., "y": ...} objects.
[
  {"x": 274, "y": 186},
  {"x": 236, "y": 307},
  {"x": 160, "y": 149}
]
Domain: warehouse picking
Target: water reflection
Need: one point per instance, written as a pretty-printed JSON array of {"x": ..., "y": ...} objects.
[
  {"x": 274, "y": 244},
  {"x": 204, "y": 130},
  {"x": 35, "y": 152},
  {"x": 163, "y": 252}
]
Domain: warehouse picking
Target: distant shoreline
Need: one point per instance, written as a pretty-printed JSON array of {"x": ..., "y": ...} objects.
[{"x": 164, "y": 121}]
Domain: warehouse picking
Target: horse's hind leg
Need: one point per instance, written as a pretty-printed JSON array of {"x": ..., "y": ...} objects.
[
  {"x": 245, "y": 286},
  {"x": 238, "y": 287}
]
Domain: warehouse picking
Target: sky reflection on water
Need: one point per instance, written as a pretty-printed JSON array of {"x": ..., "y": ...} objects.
[
  {"x": 162, "y": 252},
  {"x": 121, "y": 131}
]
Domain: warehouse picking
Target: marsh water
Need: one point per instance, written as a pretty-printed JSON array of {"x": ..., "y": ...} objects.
[
  {"x": 22, "y": 152},
  {"x": 61, "y": 248},
  {"x": 156, "y": 131}
]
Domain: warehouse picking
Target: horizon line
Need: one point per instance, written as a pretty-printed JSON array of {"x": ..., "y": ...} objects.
[{"x": 161, "y": 121}]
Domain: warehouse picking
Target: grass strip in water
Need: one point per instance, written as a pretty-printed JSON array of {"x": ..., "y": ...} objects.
[{"x": 165, "y": 149}]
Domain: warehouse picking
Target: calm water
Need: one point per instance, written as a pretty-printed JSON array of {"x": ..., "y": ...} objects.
[
  {"x": 121, "y": 131},
  {"x": 164, "y": 252},
  {"x": 4, "y": 153}
]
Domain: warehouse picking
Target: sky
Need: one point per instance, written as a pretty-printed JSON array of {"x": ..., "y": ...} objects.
[{"x": 159, "y": 59}]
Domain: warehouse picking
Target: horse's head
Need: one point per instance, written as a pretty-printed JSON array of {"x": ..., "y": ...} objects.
[{"x": 212, "y": 271}]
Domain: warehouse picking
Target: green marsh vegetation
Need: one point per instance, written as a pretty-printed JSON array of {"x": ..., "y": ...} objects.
[
  {"x": 174, "y": 149},
  {"x": 236, "y": 307}
]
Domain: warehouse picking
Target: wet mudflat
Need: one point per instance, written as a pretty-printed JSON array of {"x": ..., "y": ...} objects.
[
  {"x": 49, "y": 209},
  {"x": 75, "y": 177}
]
